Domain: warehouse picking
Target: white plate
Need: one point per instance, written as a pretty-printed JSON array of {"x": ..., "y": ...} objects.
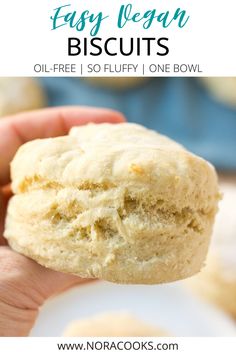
[{"x": 170, "y": 307}]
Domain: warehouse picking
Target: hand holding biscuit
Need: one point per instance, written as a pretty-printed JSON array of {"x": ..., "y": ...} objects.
[{"x": 24, "y": 284}]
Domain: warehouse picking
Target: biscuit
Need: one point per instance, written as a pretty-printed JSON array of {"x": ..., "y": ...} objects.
[
  {"x": 116, "y": 202},
  {"x": 114, "y": 324},
  {"x": 20, "y": 94},
  {"x": 217, "y": 281},
  {"x": 117, "y": 83},
  {"x": 222, "y": 88}
]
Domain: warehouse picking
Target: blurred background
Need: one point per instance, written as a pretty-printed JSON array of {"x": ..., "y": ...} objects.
[{"x": 199, "y": 113}]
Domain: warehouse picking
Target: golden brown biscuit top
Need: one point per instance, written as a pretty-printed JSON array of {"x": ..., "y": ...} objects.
[{"x": 107, "y": 155}]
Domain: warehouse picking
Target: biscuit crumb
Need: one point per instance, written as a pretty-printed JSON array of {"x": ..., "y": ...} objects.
[
  {"x": 136, "y": 169},
  {"x": 177, "y": 179},
  {"x": 110, "y": 259}
]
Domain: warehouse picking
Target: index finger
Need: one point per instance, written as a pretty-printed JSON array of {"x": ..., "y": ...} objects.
[{"x": 49, "y": 122}]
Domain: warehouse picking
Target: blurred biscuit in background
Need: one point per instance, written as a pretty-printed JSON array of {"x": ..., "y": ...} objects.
[
  {"x": 118, "y": 83},
  {"x": 222, "y": 88},
  {"x": 20, "y": 94},
  {"x": 113, "y": 324},
  {"x": 217, "y": 281}
]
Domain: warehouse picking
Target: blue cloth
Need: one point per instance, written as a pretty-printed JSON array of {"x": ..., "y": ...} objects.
[{"x": 178, "y": 107}]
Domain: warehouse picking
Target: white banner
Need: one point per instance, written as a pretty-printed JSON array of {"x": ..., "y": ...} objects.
[
  {"x": 116, "y": 345},
  {"x": 115, "y": 38}
]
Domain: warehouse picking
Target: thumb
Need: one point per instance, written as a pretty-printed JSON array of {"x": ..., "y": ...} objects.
[
  {"x": 52, "y": 282},
  {"x": 5, "y": 194},
  {"x": 24, "y": 287}
]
